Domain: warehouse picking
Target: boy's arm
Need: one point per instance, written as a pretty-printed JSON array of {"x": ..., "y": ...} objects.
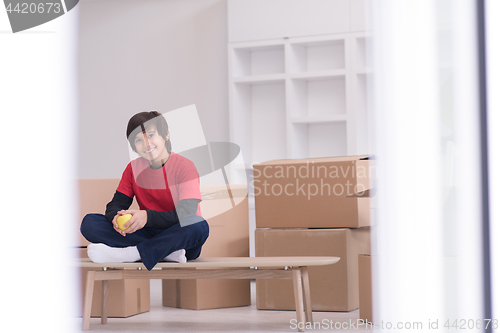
[
  {"x": 158, "y": 219},
  {"x": 119, "y": 202},
  {"x": 187, "y": 207}
]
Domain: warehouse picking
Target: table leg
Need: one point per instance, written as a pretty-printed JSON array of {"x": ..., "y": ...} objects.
[
  {"x": 299, "y": 302},
  {"x": 307, "y": 294},
  {"x": 87, "y": 302},
  {"x": 104, "y": 301}
]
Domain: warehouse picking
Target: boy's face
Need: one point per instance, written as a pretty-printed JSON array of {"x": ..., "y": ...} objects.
[{"x": 151, "y": 145}]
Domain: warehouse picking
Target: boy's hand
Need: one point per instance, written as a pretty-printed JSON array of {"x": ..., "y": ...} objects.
[
  {"x": 138, "y": 221},
  {"x": 115, "y": 224}
]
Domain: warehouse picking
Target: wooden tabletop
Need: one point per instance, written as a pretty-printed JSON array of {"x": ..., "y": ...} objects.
[{"x": 227, "y": 262}]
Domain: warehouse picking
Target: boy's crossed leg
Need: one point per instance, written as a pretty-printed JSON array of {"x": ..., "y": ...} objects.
[{"x": 101, "y": 253}]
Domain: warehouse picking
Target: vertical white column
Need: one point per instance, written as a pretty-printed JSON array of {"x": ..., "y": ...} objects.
[
  {"x": 493, "y": 75},
  {"x": 37, "y": 170},
  {"x": 428, "y": 241},
  {"x": 469, "y": 249},
  {"x": 408, "y": 238}
]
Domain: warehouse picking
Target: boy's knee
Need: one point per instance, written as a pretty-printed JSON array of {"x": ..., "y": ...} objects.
[
  {"x": 196, "y": 225},
  {"x": 88, "y": 224},
  {"x": 85, "y": 225},
  {"x": 191, "y": 220}
]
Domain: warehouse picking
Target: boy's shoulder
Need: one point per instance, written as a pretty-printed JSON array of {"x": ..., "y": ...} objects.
[
  {"x": 137, "y": 162},
  {"x": 137, "y": 166}
]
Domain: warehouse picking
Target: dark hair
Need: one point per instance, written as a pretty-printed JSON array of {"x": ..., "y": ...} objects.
[{"x": 139, "y": 123}]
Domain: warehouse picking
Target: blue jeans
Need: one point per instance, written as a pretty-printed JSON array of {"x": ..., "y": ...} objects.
[{"x": 153, "y": 244}]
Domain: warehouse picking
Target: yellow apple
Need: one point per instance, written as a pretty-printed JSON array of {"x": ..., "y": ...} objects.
[{"x": 122, "y": 219}]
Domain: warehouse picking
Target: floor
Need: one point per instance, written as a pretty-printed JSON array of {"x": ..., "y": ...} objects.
[{"x": 240, "y": 319}]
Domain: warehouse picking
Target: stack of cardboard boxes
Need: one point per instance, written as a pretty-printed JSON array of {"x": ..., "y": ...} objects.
[{"x": 307, "y": 208}]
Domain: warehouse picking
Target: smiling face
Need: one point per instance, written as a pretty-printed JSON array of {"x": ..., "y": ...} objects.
[{"x": 151, "y": 146}]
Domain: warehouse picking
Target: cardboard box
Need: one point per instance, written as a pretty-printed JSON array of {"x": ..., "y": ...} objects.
[
  {"x": 126, "y": 297},
  {"x": 333, "y": 287},
  {"x": 365, "y": 288},
  {"x": 227, "y": 215},
  {"x": 367, "y": 199},
  {"x": 204, "y": 294},
  {"x": 312, "y": 193},
  {"x": 366, "y": 196}
]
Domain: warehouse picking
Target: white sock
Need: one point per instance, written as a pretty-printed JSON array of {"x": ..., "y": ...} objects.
[
  {"x": 101, "y": 253},
  {"x": 177, "y": 256}
]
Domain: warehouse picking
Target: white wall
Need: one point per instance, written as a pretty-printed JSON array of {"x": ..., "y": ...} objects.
[{"x": 140, "y": 55}]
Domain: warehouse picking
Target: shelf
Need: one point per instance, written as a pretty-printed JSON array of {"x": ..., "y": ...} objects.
[
  {"x": 261, "y": 121},
  {"x": 317, "y": 56},
  {"x": 299, "y": 97},
  {"x": 319, "y": 75},
  {"x": 319, "y": 119},
  {"x": 361, "y": 105},
  {"x": 258, "y": 79},
  {"x": 258, "y": 60},
  {"x": 313, "y": 98}
]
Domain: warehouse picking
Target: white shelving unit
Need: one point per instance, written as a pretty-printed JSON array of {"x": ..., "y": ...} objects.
[
  {"x": 298, "y": 98},
  {"x": 362, "y": 74}
]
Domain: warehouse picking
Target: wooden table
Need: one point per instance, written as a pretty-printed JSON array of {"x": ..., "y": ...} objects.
[{"x": 294, "y": 268}]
